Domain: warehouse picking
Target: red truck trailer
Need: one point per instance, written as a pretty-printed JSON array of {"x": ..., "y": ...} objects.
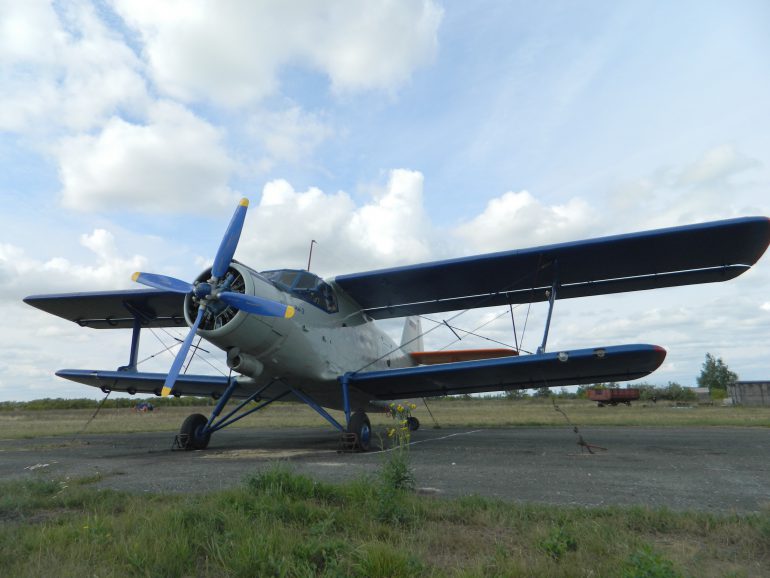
[{"x": 613, "y": 396}]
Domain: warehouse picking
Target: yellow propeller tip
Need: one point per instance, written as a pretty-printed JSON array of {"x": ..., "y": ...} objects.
[
  {"x": 135, "y": 276},
  {"x": 244, "y": 202},
  {"x": 290, "y": 311},
  {"x": 165, "y": 392}
]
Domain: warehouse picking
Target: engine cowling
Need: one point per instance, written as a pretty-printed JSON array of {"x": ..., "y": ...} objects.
[{"x": 227, "y": 327}]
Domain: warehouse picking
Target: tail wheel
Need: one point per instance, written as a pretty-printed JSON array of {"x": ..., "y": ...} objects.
[
  {"x": 413, "y": 423},
  {"x": 360, "y": 425},
  {"x": 192, "y": 435}
]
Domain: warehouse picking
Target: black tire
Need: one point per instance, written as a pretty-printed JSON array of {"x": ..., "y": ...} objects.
[
  {"x": 190, "y": 432},
  {"x": 360, "y": 425},
  {"x": 413, "y": 423}
]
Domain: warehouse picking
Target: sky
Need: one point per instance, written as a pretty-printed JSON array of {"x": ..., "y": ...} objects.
[{"x": 391, "y": 132}]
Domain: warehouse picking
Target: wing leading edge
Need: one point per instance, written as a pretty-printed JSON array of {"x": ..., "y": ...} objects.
[
  {"x": 578, "y": 367},
  {"x": 702, "y": 253}
]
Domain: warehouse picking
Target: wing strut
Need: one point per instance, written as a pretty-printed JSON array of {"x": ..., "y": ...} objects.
[
  {"x": 551, "y": 301},
  {"x": 136, "y": 333}
]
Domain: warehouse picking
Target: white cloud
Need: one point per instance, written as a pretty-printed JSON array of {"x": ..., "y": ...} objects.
[
  {"x": 374, "y": 45},
  {"x": 290, "y": 135},
  {"x": 391, "y": 229},
  {"x": 175, "y": 162},
  {"x": 711, "y": 187},
  {"x": 394, "y": 228},
  {"x": 716, "y": 166},
  {"x": 516, "y": 220},
  {"x": 73, "y": 81},
  {"x": 63, "y": 68},
  {"x": 231, "y": 51},
  {"x": 21, "y": 275}
]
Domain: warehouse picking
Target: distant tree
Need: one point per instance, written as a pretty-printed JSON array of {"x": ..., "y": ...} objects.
[
  {"x": 676, "y": 392},
  {"x": 715, "y": 374},
  {"x": 542, "y": 393},
  {"x": 516, "y": 394},
  {"x": 647, "y": 391}
]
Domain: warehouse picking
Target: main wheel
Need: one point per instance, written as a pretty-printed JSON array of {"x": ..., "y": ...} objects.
[
  {"x": 413, "y": 423},
  {"x": 360, "y": 425},
  {"x": 191, "y": 432}
]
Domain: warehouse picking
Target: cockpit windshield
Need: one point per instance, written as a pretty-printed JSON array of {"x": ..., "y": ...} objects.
[{"x": 304, "y": 285}]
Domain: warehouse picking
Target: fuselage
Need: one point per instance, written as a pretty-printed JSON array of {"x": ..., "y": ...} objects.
[{"x": 327, "y": 337}]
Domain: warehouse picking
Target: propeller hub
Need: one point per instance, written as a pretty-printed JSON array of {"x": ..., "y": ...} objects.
[{"x": 202, "y": 290}]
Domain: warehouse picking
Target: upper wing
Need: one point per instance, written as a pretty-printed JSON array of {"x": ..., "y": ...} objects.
[
  {"x": 702, "y": 253},
  {"x": 618, "y": 363},
  {"x": 115, "y": 309}
]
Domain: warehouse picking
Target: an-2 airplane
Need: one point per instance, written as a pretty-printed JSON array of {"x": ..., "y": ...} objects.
[{"x": 290, "y": 335}]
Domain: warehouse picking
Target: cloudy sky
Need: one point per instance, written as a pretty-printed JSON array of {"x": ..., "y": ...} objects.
[{"x": 391, "y": 132}]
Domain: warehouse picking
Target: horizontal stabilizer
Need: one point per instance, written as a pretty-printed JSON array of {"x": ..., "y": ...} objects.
[
  {"x": 578, "y": 367},
  {"x": 434, "y": 357},
  {"x": 703, "y": 253}
]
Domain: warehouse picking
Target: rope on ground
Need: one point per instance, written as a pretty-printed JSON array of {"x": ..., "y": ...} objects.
[
  {"x": 584, "y": 445},
  {"x": 98, "y": 407},
  {"x": 435, "y": 422}
]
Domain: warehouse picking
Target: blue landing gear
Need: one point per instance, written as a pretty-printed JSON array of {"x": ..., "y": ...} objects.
[
  {"x": 361, "y": 427},
  {"x": 194, "y": 435}
]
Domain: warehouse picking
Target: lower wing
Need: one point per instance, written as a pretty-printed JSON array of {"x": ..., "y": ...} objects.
[
  {"x": 581, "y": 366},
  {"x": 151, "y": 383}
]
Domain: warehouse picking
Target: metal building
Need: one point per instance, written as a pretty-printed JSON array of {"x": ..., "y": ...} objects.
[{"x": 749, "y": 392}]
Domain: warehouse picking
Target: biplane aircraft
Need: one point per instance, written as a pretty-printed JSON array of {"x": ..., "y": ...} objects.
[{"x": 290, "y": 335}]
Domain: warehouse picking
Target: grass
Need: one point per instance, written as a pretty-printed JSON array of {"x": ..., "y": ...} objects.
[
  {"x": 281, "y": 524},
  {"x": 449, "y": 413}
]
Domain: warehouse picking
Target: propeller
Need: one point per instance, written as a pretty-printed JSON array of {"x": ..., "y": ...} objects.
[{"x": 217, "y": 288}]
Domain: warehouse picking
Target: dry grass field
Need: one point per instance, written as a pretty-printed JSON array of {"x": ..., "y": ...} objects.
[{"x": 475, "y": 413}]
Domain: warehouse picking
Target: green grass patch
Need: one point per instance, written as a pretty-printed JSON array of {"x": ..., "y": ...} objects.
[{"x": 278, "y": 523}]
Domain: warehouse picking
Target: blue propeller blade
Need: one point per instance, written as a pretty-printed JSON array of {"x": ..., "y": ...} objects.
[
  {"x": 162, "y": 282},
  {"x": 257, "y": 305},
  {"x": 229, "y": 241},
  {"x": 173, "y": 373}
]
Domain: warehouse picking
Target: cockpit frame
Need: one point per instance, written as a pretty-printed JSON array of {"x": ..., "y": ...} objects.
[{"x": 304, "y": 285}]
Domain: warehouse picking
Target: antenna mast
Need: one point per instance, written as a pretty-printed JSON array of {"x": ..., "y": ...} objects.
[{"x": 309, "y": 257}]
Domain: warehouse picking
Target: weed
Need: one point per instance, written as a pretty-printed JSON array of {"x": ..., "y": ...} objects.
[
  {"x": 377, "y": 560},
  {"x": 558, "y": 542},
  {"x": 645, "y": 563},
  {"x": 396, "y": 471},
  {"x": 280, "y": 481}
]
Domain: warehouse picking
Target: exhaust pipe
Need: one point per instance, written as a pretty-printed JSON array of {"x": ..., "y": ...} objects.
[{"x": 244, "y": 363}]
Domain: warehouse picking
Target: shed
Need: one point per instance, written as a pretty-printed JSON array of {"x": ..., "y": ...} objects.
[
  {"x": 749, "y": 392},
  {"x": 702, "y": 394}
]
